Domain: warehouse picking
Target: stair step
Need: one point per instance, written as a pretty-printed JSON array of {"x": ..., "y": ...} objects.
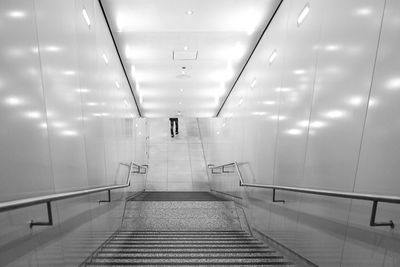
[
  {"x": 186, "y": 246},
  {"x": 184, "y": 232},
  {"x": 183, "y": 250},
  {"x": 183, "y": 236},
  {"x": 180, "y": 261},
  {"x": 187, "y": 243},
  {"x": 183, "y": 240},
  {"x": 195, "y": 255}
]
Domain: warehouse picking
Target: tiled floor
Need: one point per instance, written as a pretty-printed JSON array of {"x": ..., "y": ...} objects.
[{"x": 176, "y": 164}]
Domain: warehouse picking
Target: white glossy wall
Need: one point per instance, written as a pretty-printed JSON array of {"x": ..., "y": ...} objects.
[
  {"x": 323, "y": 114},
  {"x": 65, "y": 125}
]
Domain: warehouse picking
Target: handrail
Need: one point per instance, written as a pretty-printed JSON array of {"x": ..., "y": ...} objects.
[
  {"x": 32, "y": 201},
  {"x": 332, "y": 193}
]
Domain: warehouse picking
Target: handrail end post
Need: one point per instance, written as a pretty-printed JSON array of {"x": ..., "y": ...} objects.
[{"x": 372, "y": 221}]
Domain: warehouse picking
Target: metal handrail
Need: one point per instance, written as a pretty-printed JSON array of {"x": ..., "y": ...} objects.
[
  {"x": 332, "y": 193},
  {"x": 32, "y": 201}
]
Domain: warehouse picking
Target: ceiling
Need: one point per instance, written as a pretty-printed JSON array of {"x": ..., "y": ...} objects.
[{"x": 180, "y": 63}]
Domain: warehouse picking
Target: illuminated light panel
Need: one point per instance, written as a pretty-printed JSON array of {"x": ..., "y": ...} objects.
[
  {"x": 185, "y": 48},
  {"x": 253, "y": 83},
  {"x": 52, "y": 48},
  {"x": 16, "y": 14},
  {"x": 86, "y": 16},
  {"x": 13, "y": 101},
  {"x": 304, "y": 123},
  {"x": 224, "y": 124},
  {"x": 363, "y": 11},
  {"x": 268, "y": 102},
  {"x": 272, "y": 56},
  {"x": 217, "y": 132},
  {"x": 259, "y": 113},
  {"x": 283, "y": 89},
  {"x": 355, "y": 101},
  {"x": 105, "y": 58},
  {"x": 393, "y": 84},
  {"x": 275, "y": 118},
  {"x": 43, "y": 125},
  {"x": 332, "y": 47},
  {"x": 92, "y": 104},
  {"x": 317, "y": 124},
  {"x": 83, "y": 90},
  {"x": 69, "y": 133},
  {"x": 294, "y": 131},
  {"x": 117, "y": 84},
  {"x": 33, "y": 114},
  {"x": 59, "y": 124},
  {"x": 299, "y": 72},
  {"x": 303, "y": 14},
  {"x": 333, "y": 114},
  {"x": 189, "y": 12},
  {"x": 69, "y": 72}
]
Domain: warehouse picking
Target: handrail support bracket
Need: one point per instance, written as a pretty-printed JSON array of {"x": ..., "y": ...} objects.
[
  {"x": 274, "y": 199},
  {"x": 372, "y": 221},
  {"x": 49, "y": 216},
  {"x": 108, "y": 197}
]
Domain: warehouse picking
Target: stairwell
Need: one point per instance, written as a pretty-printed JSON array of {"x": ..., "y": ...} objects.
[{"x": 182, "y": 228}]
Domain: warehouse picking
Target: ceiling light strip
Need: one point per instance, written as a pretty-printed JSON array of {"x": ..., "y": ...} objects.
[
  {"x": 119, "y": 56},
  {"x": 248, "y": 59}
]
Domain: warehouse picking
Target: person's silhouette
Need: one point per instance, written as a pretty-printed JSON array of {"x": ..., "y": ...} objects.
[{"x": 174, "y": 121}]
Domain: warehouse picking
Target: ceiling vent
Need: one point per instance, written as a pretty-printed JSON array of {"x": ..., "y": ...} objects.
[{"x": 184, "y": 55}]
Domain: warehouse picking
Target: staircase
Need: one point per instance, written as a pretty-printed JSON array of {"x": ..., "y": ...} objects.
[{"x": 190, "y": 229}]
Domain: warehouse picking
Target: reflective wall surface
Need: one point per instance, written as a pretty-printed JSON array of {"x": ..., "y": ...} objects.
[
  {"x": 317, "y": 106},
  {"x": 67, "y": 120}
]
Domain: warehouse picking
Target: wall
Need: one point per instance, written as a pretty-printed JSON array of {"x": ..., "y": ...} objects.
[
  {"x": 176, "y": 164},
  {"x": 65, "y": 124},
  {"x": 323, "y": 114}
]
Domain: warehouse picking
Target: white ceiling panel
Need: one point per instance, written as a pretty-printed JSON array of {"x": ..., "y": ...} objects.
[{"x": 221, "y": 33}]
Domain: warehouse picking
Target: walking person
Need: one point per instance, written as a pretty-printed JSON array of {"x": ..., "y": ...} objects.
[{"x": 174, "y": 121}]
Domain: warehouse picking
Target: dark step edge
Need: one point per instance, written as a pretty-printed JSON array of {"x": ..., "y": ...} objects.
[
  {"x": 188, "y": 258},
  {"x": 191, "y": 264}
]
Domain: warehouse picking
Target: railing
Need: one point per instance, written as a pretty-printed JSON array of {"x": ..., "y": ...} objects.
[
  {"x": 32, "y": 201},
  {"x": 339, "y": 194}
]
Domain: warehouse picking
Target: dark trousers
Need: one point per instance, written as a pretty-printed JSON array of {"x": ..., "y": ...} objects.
[{"x": 174, "y": 121}]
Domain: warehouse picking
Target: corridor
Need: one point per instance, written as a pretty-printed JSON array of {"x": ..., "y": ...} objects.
[{"x": 288, "y": 146}]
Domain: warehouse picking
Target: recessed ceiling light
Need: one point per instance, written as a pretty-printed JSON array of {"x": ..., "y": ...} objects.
[
  {"x": 189, "y": 12},
  {"x": 105, "y": 58},
  {"x": 253, "y": 83},
  {"x": 272, "y": 56},
  {"x": 86, "y": 16},
  {"x": 185, "y": 48},
  {"x": 181, "y": 90},
  {"x": 180, "y": 103},
  {"x": 117, "y": 84},
  {"x": 303, "y": 14}
]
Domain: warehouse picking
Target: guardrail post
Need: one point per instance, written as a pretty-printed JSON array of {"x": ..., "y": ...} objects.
[
  {"x": 49, "y": 215},
  {"x": 276, "y": 200},
  {"x": 373, "y": 216}
]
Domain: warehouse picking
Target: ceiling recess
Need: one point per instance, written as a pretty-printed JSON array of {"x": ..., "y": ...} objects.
[{"x": 184, "y": 55}]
